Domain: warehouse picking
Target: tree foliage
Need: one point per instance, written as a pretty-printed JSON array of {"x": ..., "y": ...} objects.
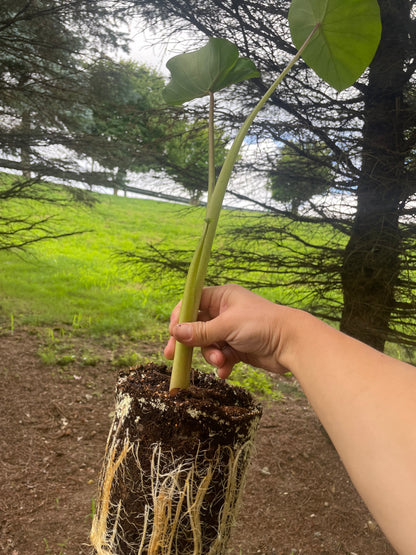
[
  {"x": 43, "y": 47},
  {"x": 70, "y": 112},
  {"x": 300, "y": 174},
  {"x": 20, "y": 227},
  {"x": 128, "y": 127},
  {"x": 121, "y": 125},
  {"x": 369, "y": 131},
  {"x": 187, "y": 156}
]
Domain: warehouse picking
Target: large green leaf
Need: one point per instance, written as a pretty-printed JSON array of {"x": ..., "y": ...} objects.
[
  {"x": 211, "y": 68},
  {"x": 346, "y": 41}
]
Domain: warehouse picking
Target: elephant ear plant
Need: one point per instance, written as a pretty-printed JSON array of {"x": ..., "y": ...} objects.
[
  {"x": 336, "y": 38},
  {"x": 177, "y": 451}
]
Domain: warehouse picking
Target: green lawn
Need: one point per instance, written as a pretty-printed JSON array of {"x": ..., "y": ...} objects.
[
  {"x": 80, "y": 283},
  {"x": 78, "y": 278}
]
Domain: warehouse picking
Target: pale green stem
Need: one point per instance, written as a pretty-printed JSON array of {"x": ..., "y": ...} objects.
[
  {"x": 211, "y": 147},
  {"x": 197, "y": 271},
  {"x": 182, "y": 361}
]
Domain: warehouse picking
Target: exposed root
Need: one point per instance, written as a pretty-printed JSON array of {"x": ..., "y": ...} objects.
[
  {"x": 152, "y": 502},
  {"x": 100, "y": 539}
]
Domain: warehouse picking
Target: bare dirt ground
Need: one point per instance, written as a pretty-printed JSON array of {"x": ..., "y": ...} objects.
[{"x": 54, "y": 422}]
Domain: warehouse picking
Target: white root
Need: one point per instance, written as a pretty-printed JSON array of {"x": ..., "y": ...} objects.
[{"x": 176, "y": 493}]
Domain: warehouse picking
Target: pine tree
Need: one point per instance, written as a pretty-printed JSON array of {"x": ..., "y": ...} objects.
[{"x": 369, "y": 131}]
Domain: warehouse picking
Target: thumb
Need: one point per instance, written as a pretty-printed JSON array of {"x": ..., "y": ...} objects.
[{"x": 198, "y": 334}]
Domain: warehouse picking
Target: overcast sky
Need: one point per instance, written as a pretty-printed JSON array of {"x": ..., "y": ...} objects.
[{"x": 146, "y": 49}]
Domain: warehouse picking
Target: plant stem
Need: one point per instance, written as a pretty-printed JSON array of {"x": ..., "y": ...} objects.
[
  {"x": 182, "y": 361},
  {"x": 181, "y": 368},
  {"x": 211, "y": 147}
]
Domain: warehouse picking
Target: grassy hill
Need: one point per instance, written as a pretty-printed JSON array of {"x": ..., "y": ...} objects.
[
  {"x": 79, "y": 280},
  {"x": 77, "y": 286}
]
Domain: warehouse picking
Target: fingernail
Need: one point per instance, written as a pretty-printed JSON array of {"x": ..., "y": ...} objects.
[{"x": 183, "y": 332}]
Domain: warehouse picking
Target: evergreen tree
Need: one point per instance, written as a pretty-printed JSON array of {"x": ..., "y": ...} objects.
[
  {"x": 300, "y": 173},
  {"x": 65, "y": 103},
  {"x": 43, "y": 48},
  {"x": 369, "y": 131},
  {"x": 128, "y": 127}
]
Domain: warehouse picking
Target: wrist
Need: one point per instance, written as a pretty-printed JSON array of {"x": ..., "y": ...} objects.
[{"x": 293, "y": 327}]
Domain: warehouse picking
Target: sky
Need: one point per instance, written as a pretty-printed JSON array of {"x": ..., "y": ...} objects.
[{"x": 146, "y": 49}]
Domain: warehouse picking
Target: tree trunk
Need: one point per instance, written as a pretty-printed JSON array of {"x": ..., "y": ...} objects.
[{"x": 371, "y": 262}]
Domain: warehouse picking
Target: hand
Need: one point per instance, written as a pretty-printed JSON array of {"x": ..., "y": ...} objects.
[{"x": 233, "y": 325}]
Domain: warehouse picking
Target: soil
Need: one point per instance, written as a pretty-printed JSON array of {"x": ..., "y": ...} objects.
[
  {"x": 183, "y": 453},
  {"x": 54, "y": 422}
]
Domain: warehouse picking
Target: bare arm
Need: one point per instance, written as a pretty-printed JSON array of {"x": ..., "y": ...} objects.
[{"x": 364, "y": 399}]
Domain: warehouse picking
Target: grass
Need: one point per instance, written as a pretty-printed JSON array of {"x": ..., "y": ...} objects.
[
  {"x": 77, "y": 285},
  {"x": 77, "y": 281}
]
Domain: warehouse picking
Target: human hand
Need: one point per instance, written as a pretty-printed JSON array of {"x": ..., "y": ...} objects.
[{"x": 233, "y": 325}]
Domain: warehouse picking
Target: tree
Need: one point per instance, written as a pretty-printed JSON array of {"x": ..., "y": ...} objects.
[
  {"x": 127, "y": 127},
  {"x": 300, "y": 174},
  {"x": 120, "y": 124},
  {"x": 64, "y": 101},
  {"x": 370, "y": 134},
  {"x": 374, "y": 262},
  {"x": 187, "y": 154},
  {"x": 43, "y": 47}
]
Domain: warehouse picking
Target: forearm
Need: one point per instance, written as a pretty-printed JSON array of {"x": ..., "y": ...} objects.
[
  {"x": 367, "y": 403},
  {"x": 365, "y": 400}
]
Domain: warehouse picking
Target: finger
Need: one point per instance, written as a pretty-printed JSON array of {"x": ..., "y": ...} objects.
[
  {"x": 225, "y": 371},
  {"x": 214, "y": 355},
  {"x": 231, "y": 357},
  {"x": 202, "y": 333},
  {"x": 169, "y": 350},
  {"x": 174, "y": 316},
  {"x": 212, "y": 299}
]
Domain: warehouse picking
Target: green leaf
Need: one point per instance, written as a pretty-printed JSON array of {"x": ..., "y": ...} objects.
[
  {"x": 345, "y": 42},
  {"x": 209, "y": 69}
]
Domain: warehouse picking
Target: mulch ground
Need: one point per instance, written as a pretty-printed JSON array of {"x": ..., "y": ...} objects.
[{"x": 54, "y": 422}]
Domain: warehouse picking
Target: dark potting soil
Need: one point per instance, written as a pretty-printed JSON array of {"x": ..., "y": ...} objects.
[
  {"x": 205, "y": 427},
  {"x": 224, "y": 410}
]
